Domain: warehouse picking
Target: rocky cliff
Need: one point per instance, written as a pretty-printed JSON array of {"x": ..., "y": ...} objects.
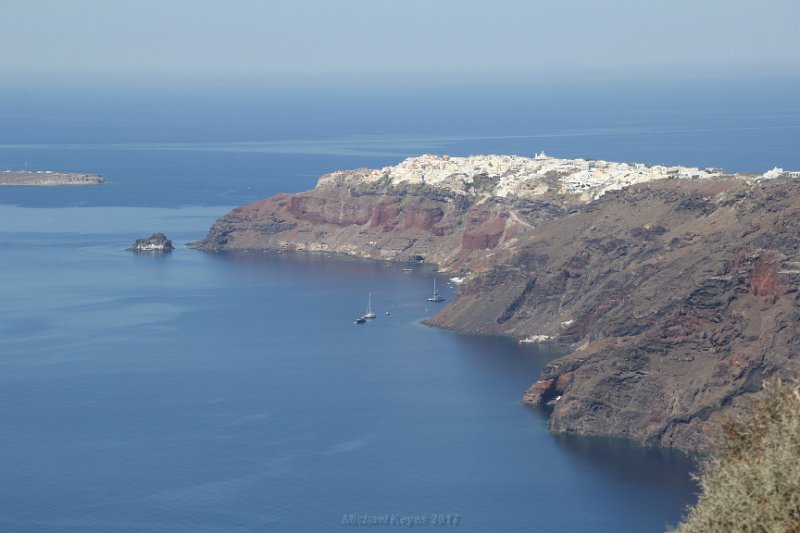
[
  {"x": 676, "y": 287},
  {"x": 449, "y": 211}
]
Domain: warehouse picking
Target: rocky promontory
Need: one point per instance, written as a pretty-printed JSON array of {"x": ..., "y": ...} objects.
[
  {"x": 450, "y": 211},
  {"x": 675, "y": 287}
]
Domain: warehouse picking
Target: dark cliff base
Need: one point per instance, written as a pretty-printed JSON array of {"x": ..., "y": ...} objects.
[{"x": 678, "y": 297}]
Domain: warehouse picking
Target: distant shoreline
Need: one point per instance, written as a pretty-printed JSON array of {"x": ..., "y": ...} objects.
[{"x": 48, "y": 178}]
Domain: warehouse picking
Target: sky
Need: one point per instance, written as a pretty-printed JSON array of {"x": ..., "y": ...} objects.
[{"x": 265, "y": 40}]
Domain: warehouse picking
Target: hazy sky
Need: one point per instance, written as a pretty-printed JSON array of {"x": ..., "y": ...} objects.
[{"x": 160, "y": 39}]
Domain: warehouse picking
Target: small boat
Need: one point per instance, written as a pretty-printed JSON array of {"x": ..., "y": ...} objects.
[
  {"x": 360, "y": 320},
  {"x": 370, "y": 315},
  {"x": 407, "y": 269},
  {"x": 436, "y": 296}
]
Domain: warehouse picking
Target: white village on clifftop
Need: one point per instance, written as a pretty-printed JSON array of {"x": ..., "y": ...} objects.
[{"x": 533, "y": 176}]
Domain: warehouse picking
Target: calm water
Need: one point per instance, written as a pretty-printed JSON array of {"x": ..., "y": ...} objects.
[{"x": 233, "y": 393}]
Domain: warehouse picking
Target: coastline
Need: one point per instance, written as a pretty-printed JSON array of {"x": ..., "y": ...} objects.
[
  {"x": 608, "y": 257},
  {"x": 25, "y": 178}
]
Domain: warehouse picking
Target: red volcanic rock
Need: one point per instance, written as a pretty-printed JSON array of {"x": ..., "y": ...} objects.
[
  {"x": 484, "y": 234},
  {"x": 375, "y": 221},
  {"x": 546, "y": 390},
  {"x": 563, "y": 381},
  {"x": 385, "y": 215},
  {"x": 763, "y": 281},
  {"x": 420, "y": 218},
  {"x": 323, "y": 211},
  {"x": 539, "y": 392}
]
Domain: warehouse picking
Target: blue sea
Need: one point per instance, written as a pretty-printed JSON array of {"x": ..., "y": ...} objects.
[{"x": 221, "y": 393}]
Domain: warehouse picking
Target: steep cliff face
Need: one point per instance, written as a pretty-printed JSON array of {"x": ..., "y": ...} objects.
[
  {"x": 451, "y": 222},
  {"x": 455, "y": 212},
  {"x": 376, "y": 223},
  {"x": 675, "y": 287},
  {"x": 679, "y": 298}
]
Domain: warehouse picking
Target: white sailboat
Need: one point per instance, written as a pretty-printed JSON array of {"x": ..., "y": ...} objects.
[
  {"x": 436, "y": 296},
  {"x": 369, "y": 314}
]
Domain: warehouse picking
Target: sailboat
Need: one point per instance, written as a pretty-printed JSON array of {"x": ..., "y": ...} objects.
[
  {"x": 369, "y": 314},
  {"x": 436, "y": 296}
]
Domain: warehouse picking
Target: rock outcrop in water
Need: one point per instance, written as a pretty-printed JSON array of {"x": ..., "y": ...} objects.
[
  {"x": 157, "y": 243},
  {"x": 676, "y": 287}
]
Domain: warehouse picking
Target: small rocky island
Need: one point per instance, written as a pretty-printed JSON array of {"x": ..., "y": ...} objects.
[
  {"x": 47, "y": 178},
  {"x": 157, "y": 242}
]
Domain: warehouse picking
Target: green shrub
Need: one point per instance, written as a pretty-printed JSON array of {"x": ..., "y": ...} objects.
[{"x": 751, "y": 480}]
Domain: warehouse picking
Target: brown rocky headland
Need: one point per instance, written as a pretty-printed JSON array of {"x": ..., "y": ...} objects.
[{"x": 675, "y": 287}]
